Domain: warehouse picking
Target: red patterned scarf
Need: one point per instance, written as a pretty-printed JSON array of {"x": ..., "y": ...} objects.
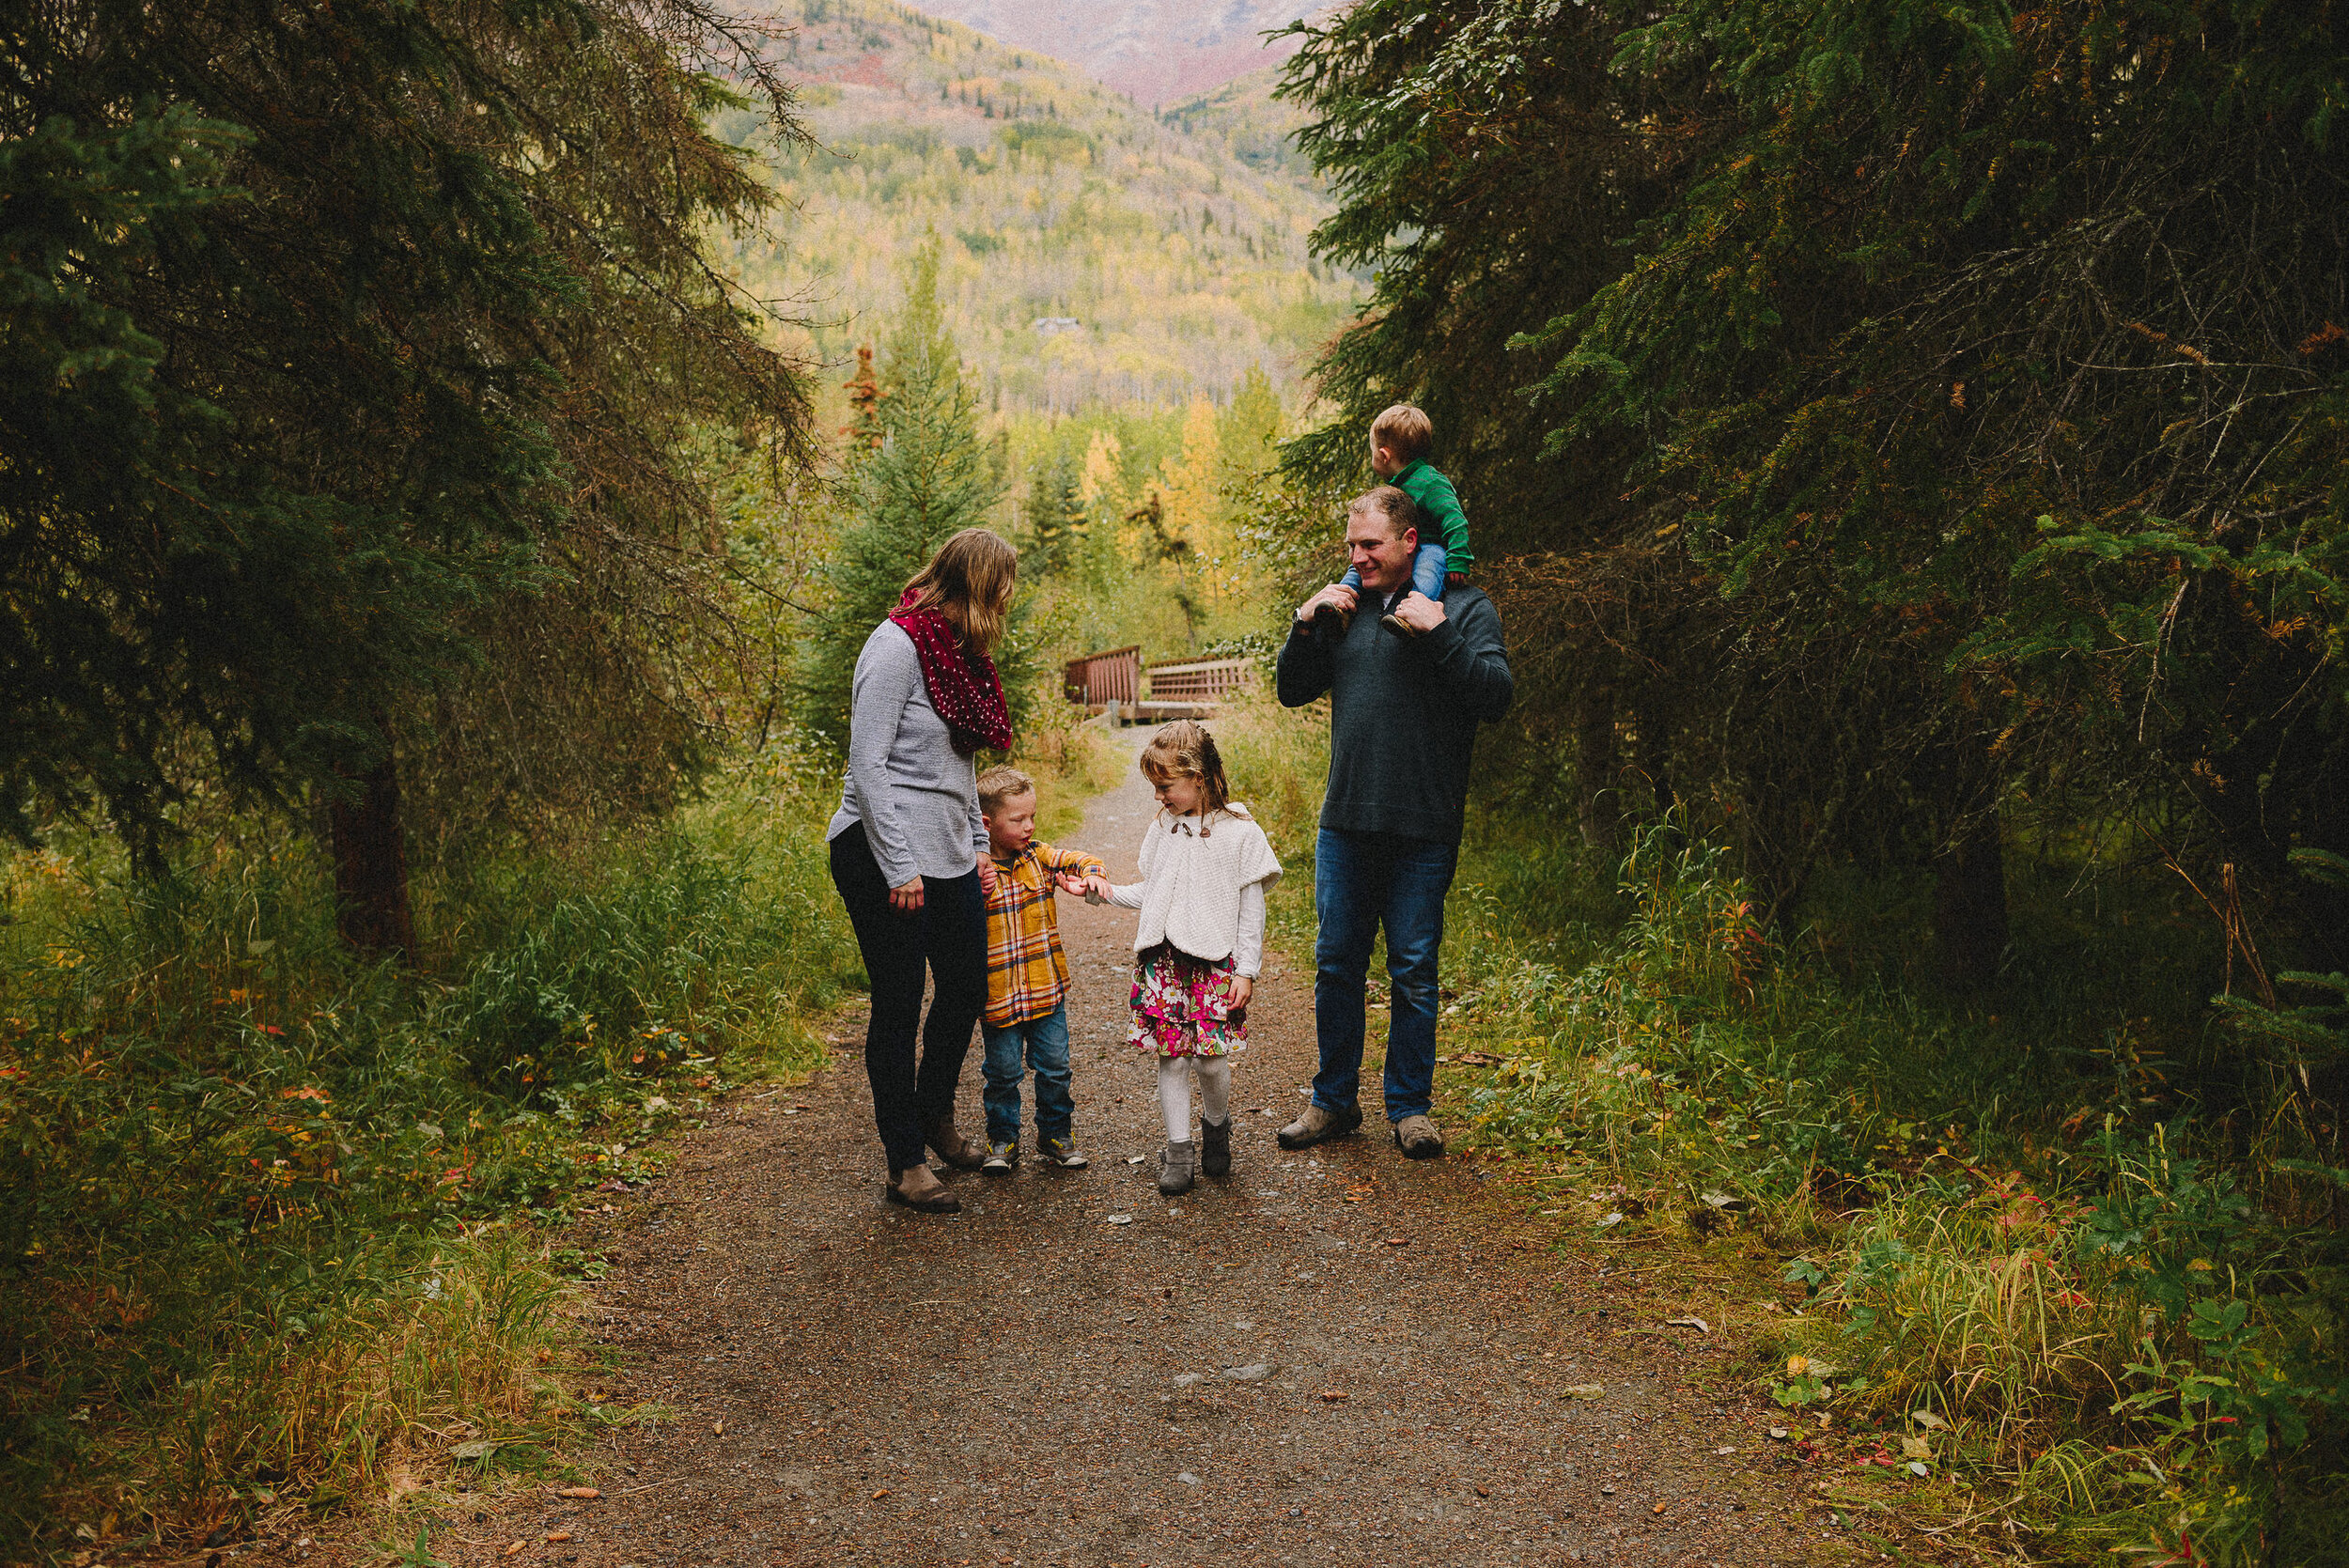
[{"x": 962, "y": 685}]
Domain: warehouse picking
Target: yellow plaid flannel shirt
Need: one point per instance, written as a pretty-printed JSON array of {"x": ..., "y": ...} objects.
[{"x": 1027, "y": 974}]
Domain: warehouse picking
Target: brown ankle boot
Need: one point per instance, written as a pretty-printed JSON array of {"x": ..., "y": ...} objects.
[
  {"x": 951, "y": 1145},
  {"x": 917, "y": 1187}
]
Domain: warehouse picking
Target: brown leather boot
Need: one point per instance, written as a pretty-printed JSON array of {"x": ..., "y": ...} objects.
[
  {"x": 952, "y": 1146},
  {"x": 917, "y": 1187}
]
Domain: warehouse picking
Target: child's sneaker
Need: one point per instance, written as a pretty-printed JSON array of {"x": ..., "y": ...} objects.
[
  {"x": 1060, "y": 1151},
  {"x": 1000, "y": 1159}
]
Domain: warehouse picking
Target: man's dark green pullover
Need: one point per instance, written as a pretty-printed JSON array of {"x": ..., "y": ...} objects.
[{"x": 1403, "y": 712}]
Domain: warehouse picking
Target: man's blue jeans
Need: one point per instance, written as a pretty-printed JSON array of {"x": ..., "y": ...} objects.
[
  {"x": 1361, "y": 882},
  {"x": 1044, "y": 1044}
]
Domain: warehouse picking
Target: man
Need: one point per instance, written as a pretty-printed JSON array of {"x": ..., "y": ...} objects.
[{"x": 1403, "y": 718}]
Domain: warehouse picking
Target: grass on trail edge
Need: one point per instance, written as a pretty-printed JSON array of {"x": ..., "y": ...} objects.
[
  {"x": 2063, "y": 1266},
  {"x": 282, "y": 1229}
]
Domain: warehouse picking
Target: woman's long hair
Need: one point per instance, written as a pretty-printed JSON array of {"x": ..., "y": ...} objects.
[{"x": 969, "y": 582}]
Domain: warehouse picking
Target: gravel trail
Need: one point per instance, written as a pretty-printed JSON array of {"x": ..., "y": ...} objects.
[{"x": 1337, "y": 1356}]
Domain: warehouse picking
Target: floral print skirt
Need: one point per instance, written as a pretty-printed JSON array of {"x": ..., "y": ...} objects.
[{"x": 1182, "y": 1006}]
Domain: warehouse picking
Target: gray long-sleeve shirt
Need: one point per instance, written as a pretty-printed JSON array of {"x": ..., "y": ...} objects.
[
  {"x": 1403, "y": 713},
  {"x": 916, "y": 795}
]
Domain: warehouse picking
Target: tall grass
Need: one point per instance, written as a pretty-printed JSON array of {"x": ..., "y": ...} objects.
[
  {"x": 2071, "y": 1271},
  {"x": 258, "y": 1239}
]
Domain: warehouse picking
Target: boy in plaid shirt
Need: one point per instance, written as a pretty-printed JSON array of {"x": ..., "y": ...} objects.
[{"x": 1027, "y": 974}]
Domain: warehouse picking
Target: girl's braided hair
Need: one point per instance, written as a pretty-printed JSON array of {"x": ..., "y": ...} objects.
[{"x": 1184, "y": 750}]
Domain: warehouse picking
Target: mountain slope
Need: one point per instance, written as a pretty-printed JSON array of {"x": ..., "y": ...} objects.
[
  {"x": 1089, "y": 252},
  {"x": 1157, "y": 52}
]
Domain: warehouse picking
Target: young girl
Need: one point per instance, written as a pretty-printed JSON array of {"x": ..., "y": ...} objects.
[{"x": 1205, "y": 869}]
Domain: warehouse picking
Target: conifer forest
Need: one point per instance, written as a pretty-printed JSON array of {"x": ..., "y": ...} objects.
[{"x": 453, "y": 453}]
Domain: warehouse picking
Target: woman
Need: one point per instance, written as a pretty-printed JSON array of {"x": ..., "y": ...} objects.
[{"x": 909, "y": 849}]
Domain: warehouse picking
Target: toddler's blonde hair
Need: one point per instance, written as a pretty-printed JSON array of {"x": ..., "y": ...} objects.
[
  {"x": 1000, "y": 784},
  {"x": 1404, "y": 431}
]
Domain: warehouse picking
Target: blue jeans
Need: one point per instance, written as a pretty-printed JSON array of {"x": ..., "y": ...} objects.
[
  {"x": 1428, "y": 569},
  {"x": 1044, "y": 1043},
  {"x": 1361, "y": 882}
]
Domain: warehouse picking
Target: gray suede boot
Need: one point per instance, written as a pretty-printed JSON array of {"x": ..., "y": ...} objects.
[{"x": 1174, "y": 1169}]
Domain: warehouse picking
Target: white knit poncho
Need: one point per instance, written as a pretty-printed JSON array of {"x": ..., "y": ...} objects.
[{"x": 1202, "y": 887}]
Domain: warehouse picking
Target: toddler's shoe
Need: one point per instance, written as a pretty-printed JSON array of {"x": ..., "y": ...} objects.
[
  {"x": 1060, "y": 1151},
  {"x": 1338, "y": 620},
  {"x": 1397, "y": 625},
  {"x": 1000, "y": 1159}
]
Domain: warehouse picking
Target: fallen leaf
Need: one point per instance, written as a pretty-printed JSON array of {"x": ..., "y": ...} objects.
[
  {"x": 1334, "y": 1396},
  {"x": 579, "y": 1492},
  {"x": 1611, "y": 1221},
  {"x": 883, "y": 1493},
  {"x": 719, "y": 1430},
  {"x": 1916, "y": 1448},
  {"x": 1133, "y": 1160},
  {"x": 1928, "y": 1419},
  {"x": 1780, "y": 1434},
  {"x": 559, "y": 1535},
  {"x": 1398, "y": 1241},
  {"x": 1584, "y": 1391},
  {"x": 1796, "y": 1366},
  {"x": 1657, "y": 1509},
  {"x": 1482, "y": 1493},
  {"x": 1725, "y": 1451},
  {"x": 1915, "y": 1467},
  {"x": 1696, "y": 1322},
  {"x": 1121, "y": 1218},
  {"x": 515, "y": 1547},
  {"x": 481, "y": 1448}
]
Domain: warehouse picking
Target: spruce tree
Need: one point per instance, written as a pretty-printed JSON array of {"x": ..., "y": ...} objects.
[
  {"x": 927, "y": 480},
  {"x": 1055, "y": 518},
  {"x": 345, "y": 357}
]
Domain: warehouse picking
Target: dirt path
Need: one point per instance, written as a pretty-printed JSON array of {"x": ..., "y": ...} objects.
[{"x": 1037, "y": 1382}]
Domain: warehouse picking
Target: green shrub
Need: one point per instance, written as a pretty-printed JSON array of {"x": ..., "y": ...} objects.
[{"x": 255, "y": 1186}]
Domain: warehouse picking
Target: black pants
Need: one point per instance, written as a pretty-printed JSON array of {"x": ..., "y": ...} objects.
[{"x": 948, "y": 933}]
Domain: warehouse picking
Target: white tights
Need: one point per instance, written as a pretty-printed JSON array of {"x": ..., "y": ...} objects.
[{"x": 1214, "y": 1092}]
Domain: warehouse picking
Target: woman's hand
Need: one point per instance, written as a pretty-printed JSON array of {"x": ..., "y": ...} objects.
[
  {"x": 1240, "y": 990},
  {"x": 907, "y": 900}
]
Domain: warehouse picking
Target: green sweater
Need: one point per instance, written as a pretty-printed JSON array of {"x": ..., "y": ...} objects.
[
  {"x": 1403, "y": 713},
  {"x": 1439, "y": 514}
]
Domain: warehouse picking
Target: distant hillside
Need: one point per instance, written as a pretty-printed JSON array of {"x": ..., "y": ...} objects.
[
  {"x": 1258, "y": 129},
  {"x": 1157, "y": 52},
  {"x": 1090, "y": 252}
]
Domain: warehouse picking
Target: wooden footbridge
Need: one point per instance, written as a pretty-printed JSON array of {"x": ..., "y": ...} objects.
[{"x": 1116, "y": 679}]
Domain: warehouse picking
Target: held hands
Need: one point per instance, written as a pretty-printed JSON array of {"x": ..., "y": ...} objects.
[
  {"x": 907, "y": 900},
  {"x": 1417, "y": 612},
  {"x": 1096, "y": 888},
  {"x": 987, "y": 874},
  {"x": 1337, "y": 596}
]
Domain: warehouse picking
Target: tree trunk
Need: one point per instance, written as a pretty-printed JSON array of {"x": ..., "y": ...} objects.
[
  {"x": 1969, "y": 906},
  {"x": 1597, "y": 765},
  {"x": 371, "y": 908},
  {"x": 1656, "y": 752}
]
